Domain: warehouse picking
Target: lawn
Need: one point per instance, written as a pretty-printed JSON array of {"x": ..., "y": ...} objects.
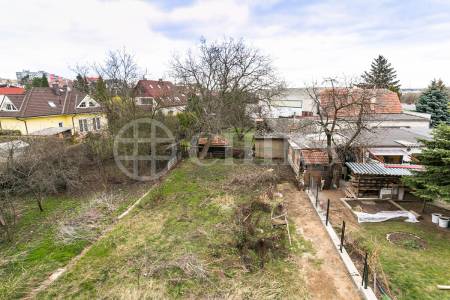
[
  {"x": 46, "y": 241},
  {"x": 186, "y": 240},
  {"x": 412, "y": 273}
]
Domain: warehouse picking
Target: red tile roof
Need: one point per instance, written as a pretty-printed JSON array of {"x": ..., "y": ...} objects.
[
  {"x": 381, "y": 101},
  {"x": 216, "y": 141},
  {"x": 314, "y": 157},
  {"x": 165, "y": 92},
  {"x": 11, "y": 91}
]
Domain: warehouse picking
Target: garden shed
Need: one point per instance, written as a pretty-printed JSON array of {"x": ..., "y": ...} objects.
[{"x": 377, "y": 180}]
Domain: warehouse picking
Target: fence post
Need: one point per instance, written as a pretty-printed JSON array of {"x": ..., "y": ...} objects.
[
  {"x": 342, "y": 236},
  {"x": 365, "y": 273},
  {"x": 317, "y": 193},
  {"x": 328, "y": 211}
]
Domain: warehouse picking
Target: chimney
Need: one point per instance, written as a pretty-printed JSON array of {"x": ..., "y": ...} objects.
[{"x": 55, "y": 88}]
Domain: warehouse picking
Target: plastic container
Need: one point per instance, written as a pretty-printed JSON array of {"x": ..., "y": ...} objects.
[
  {"x": 435, "y": 218},
  {"x": 443, "y": 221}
]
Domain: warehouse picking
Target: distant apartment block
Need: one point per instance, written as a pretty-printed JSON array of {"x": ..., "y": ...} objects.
[{"x": 52, "y": 78}]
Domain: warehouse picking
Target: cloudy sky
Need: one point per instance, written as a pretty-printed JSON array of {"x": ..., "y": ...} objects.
[{"x": 308, "y": 40}]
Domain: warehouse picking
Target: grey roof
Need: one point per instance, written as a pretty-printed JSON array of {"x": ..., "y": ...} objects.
[
  {"x": 392, "y": 137},
  {"x": 376, "y": 169}
]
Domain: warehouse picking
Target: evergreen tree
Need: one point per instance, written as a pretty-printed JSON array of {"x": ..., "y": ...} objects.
[
  {"x": 36, "y": 82},
  {"x": 435, "y": 101},
  {"x": 434, "y": 182},
  {"x": 44, "y": 81},
  {"x": 382, "y": 75}
]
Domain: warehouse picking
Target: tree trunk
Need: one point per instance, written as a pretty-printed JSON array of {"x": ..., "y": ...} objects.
[
  {"x": 205, "y": 147},
  {"x": 424, "y": 205},
  {"x": 39, "y": 203},
  {"x": 240, "y": 133},
  {"x": 330, "y": 172}
]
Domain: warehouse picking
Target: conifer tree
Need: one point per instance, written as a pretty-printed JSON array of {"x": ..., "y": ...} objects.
[
  {"x": 435, "y": 101},
  {"x": 434, "y": 182},
  {"x": 44, "y": 81},
  {"x": 382, "y": 75}
]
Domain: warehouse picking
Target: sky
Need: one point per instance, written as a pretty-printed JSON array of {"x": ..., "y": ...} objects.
[{"x": 307, "y": 40}]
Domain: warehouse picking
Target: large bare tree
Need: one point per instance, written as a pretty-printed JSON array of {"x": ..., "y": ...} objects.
[
  {"x": 228, "y": 79},
  {"x": 343, "y": 113}
]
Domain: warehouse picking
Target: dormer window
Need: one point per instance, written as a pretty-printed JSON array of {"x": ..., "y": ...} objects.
[
  {"x": 88, "y": 102},
  {"x": 7, "y": 105}
]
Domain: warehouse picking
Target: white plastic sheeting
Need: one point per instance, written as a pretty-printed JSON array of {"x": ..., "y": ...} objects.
[{"x": 386, "y": 215}]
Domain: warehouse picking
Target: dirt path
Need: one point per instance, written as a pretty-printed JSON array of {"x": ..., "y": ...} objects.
[{"x": 326, "y": 275}]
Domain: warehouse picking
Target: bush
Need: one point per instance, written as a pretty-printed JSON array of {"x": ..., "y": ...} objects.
[{"x": 10, "y": 132}]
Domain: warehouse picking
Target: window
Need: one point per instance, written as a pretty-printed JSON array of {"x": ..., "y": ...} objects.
[
  {"x": 145, "y": 101},
  {"x": 6, "y": 104},
  {"x": 96, "y": 123},
  {"x": 83, "y": 125},
  {"x": 51, "y": 104},
  {"x": 60, "y": 124},
  {"x": 88, "y": 102}
]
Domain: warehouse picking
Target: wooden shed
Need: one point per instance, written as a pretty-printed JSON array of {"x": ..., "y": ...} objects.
[{"x": 377, "y": 180}]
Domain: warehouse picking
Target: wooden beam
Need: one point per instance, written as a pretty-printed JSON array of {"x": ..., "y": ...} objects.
[{"x": 402, "y": 208}]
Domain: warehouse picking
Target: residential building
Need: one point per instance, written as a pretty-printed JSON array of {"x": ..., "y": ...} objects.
[
  {"x": 21, "y": 75},
  {"x": 160, "y": 95},
  {"x": 383, "y": 108},
  {"x": 41, "y": 109},
  {"x": 292, "y": 103}
]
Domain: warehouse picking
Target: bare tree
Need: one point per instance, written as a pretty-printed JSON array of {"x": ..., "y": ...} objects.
[
  {"x": 226, "y": 78},
  {"x": 115, "y": 87},
  {"x": 44, "y": 167},
  {"x": 343, "y": 114}
]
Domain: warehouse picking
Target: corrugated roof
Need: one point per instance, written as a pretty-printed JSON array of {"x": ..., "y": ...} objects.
[{"x": 376, "y": 169}]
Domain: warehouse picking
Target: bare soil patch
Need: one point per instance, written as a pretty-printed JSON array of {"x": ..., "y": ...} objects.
[
  {"x": 406, "y": 240},
  {"x": 371, "y": 206},
  {"x": 326, "y": 275}
]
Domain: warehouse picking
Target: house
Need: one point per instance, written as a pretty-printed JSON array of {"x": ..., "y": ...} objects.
[
  {"x": 292, "y": 103},
  {"x": 160, "y": 95},
  {"x": 383, "y": 108},
  {"x": 10, "y": 90},
  {"x": 393, "y": 145},
  {"x": 44, "y": 107}
]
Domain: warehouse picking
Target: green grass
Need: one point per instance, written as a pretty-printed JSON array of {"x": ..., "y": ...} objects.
[
  {"x": 181, "y": 243},
  {"x": 231, "y": 136},
  {"x": 35, "y": 252},
  {"x": 413, "y": 273},
  {"x": 37, "y": 248}
]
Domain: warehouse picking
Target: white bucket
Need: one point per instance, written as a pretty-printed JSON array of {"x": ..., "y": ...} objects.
[
  {"x": 435, "y": 217},
  {"x": 443, "y": 222}
]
